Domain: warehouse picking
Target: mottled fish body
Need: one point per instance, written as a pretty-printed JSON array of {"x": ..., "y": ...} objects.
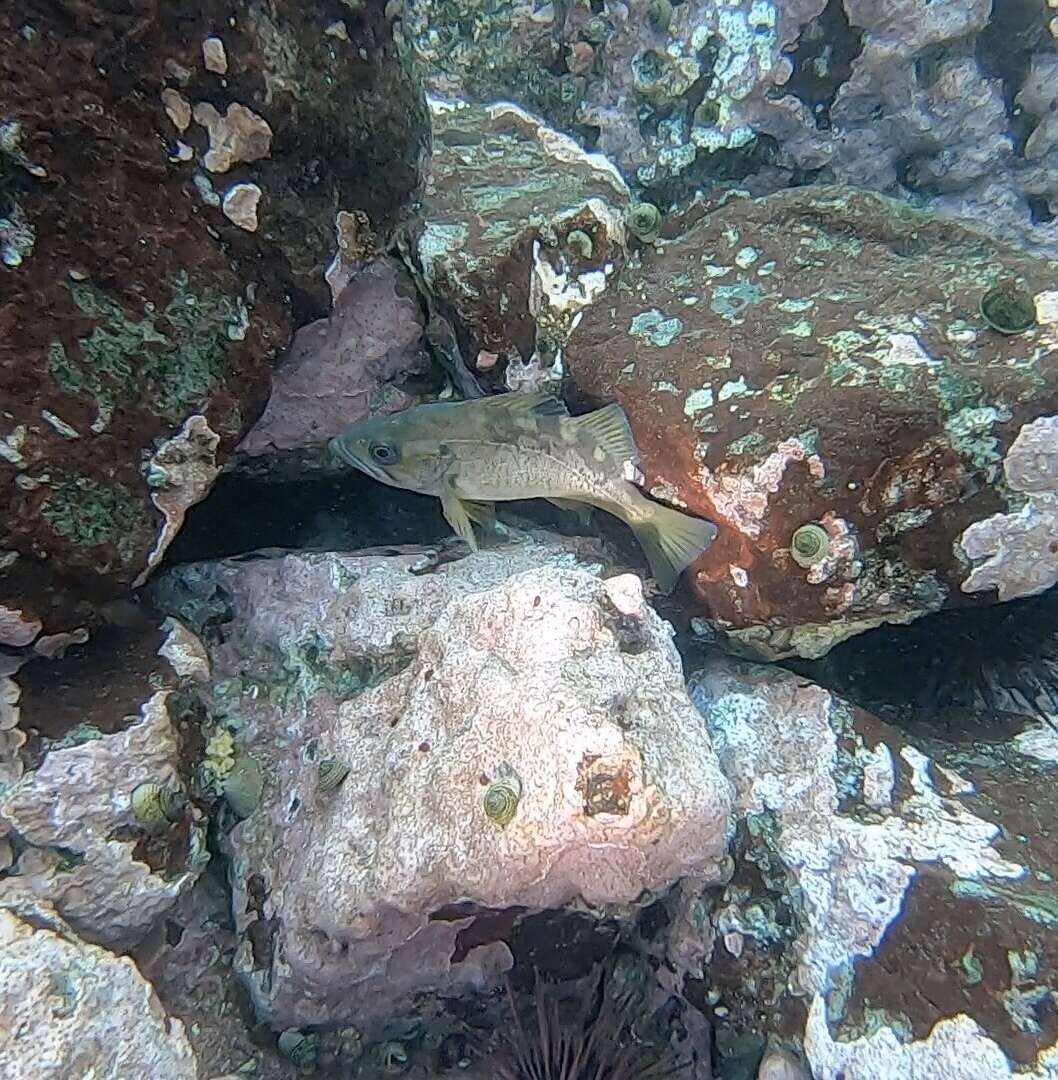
[{"x": 522, "y": 446}]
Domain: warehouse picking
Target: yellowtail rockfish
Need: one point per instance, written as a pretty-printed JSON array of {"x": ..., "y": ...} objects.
[{"x": 470, "y": 454}]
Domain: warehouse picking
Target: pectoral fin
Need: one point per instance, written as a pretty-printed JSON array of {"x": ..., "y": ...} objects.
[{"x": 460, "y": 514}]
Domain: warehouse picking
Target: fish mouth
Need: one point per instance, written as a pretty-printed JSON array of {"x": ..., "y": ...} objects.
[{"x": 343, "y": 453}]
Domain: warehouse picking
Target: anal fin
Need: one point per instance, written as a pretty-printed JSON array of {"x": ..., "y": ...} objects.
[{"x": 571, "y": 506}]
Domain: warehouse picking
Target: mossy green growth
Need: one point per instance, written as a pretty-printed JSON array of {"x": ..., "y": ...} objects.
[
  {"x": 171, "y": 360},
  {"x": 307, "y": 666},
  {"x": 90, "y": 514}
]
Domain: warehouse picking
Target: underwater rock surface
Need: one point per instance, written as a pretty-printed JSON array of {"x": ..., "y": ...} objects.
[
  {"x": 811, "y": 371},
  {"x": 518, "y": 231},
  {"x": 442, "y": 753},
  {"x": 906, "y": 898},
  {"x": 337, "y": 367},
  {"x": 68, "y": 1008},
  {"x": 946, "y": 103},
  {"x": 88, "y": 818},
  {"x": 131, "y": 302}
]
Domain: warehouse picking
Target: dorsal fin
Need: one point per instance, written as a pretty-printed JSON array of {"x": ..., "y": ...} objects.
[
  {"x": 608, "y": 429},
  {"x": 540, "y": 403}
]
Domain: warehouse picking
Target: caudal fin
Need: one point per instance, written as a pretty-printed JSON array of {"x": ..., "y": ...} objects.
[{"x": 671, "y": 542}]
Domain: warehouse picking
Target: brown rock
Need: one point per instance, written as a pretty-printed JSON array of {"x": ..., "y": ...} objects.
[
  {"x": 129, "y": 303},
  {"x": 818, "y": 356}
]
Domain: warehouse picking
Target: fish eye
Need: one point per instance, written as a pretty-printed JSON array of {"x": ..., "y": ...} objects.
[{"x": 383, "y": 453}]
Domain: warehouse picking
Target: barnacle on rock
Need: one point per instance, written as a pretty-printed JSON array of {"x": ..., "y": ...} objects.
[
  {"x": 501, "y": 799},
  {"x": 244, "y": 785},
  {"x": 659, "y": 15},
  {"x": 153, "y": 804},
  {"x": 301, "y": 1049},
  {"x": 1008, "y": 308},
  {"x": 579, "y": 241},
  {"x": 643, "y": 220},
  {"x": 392, "y": 1056},
  {"x": 331, "y": 773},
  {"x": 809, "y": 545}
]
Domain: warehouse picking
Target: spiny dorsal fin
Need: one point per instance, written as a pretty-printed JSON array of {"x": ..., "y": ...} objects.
[
  {"x": 519, "y": 402},
  {"x": 608, "y": 429}
]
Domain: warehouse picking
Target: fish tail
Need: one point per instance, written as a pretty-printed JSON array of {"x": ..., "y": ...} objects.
[{"x": 671, "y": 541}]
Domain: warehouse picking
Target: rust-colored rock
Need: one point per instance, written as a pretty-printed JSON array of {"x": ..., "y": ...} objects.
[
  {"x": 129, "y": 303},
  {"x": 818, "y": 358}
]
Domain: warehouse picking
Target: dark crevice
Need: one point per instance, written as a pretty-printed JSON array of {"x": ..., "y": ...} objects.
[
  {"x": 1017, "y": 29},
  {"x": 822, "y": 58},
  {"x": 969, "y": 673},
  {"x": 1040, "y": 210}
]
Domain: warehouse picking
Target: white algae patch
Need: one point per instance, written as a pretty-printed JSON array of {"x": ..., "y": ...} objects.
[
  {"x": 68, "y": 1009},
  {"x": 1017, "y": 553},
  {"x": 180, "y": 474},
  {"x": 956, "y": 1049},
  {"x": 240, "y": 205},
  {"x": 778, "y": 742}
]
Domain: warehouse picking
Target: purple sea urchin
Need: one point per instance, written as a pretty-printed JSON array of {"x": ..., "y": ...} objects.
[{"x": 592, "y": 1042}]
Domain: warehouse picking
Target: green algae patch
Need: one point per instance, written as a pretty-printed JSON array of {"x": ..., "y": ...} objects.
[
  {"x": 89, "y": 515},
  {"x": 653, "y": 328},
  {"x": 731, "y": 301},
  {"x": 171, "y": 359}
]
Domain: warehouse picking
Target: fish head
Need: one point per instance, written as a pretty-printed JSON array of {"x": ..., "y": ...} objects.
[{"x": 401, "y": 450}]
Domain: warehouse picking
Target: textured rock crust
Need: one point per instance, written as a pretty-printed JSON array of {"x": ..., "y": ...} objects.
[
  {"x": 72, "y": 1009},
  {"x": 338, "y": 367},
  {"x": 130, "y": 301},
  {"x": 81, "y": 845},
  {"x": 498, "y": 181},
  {"x": 906, "y": 899},
  {"x": 818, "y": 356},
  {"x": 1017, "y": 553},
  {"x": 948, "y": 103},
  {"x": 430, "y": 687}
]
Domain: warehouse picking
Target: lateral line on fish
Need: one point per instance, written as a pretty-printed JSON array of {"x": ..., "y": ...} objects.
[{"x": 565, "y": 466}]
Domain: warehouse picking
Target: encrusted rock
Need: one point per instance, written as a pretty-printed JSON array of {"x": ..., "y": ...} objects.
[
  {"x": 904, "y": 902},
  {"x": 81, "y": 840},
  {"x": 338, "y": 367},
  {"x": 72, "y": 1009},
  {"x": 497, "y": 257},
  {"x": 12, "y": 738},
  {"x": 815, "y": 362},
  {"x": 1017, "y": 553},
  {"x": 135, "y": 304},
  {"x": 948, "y": 103},
  {"x": 515, "y": 666}
]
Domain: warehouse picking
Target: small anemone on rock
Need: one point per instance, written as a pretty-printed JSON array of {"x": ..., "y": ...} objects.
[
  {"x": 1009, "y": 308},
  {"x": 553, "y": 1041},
  {"x": 643, "y": 221}
]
